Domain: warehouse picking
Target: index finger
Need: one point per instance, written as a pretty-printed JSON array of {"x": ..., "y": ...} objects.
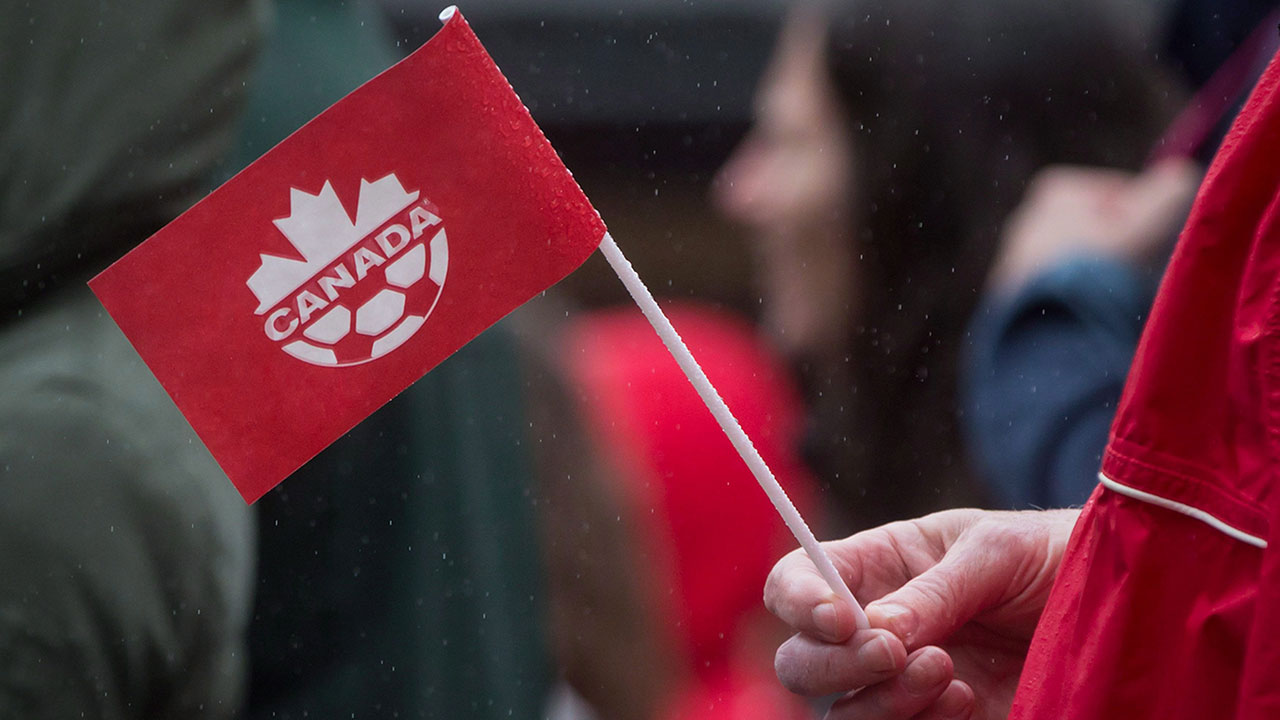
[{"x": 798, "y": 594}]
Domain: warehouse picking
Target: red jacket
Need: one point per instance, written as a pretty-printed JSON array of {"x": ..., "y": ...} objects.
[
  {"x": 1167, "y": 604},
  {"x": 706, "y": 536}
]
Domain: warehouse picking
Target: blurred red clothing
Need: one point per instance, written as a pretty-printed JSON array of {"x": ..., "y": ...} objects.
[{"x": 710, "y": 531}]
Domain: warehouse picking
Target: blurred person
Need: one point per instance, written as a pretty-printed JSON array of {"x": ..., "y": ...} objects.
[
  {"x": 125, "y": 554},
  {"x": 1065, "y": 305},
  {"x": 891, "y": 141},
  {"x": 1160, "y": 598},
  {"x": 657, "y": 534},
  {"x": 1067, "y": 297}
]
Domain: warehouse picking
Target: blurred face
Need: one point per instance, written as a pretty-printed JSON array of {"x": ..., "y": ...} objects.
[{"x": 789, "y": 183}]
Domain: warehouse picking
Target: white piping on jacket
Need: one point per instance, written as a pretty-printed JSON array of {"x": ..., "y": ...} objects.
[{"x": 1187, "y": 510}]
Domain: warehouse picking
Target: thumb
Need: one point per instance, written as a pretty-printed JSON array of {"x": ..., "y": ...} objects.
[{"x": 936, "y": 603}]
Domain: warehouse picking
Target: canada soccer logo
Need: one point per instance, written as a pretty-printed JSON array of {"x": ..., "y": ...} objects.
[{"x": 361, "y": 288}]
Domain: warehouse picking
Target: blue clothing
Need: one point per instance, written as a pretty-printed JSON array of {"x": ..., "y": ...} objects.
[{"x": 1042, "y": 377}]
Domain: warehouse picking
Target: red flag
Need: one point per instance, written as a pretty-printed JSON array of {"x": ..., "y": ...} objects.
[{"x": 351, "y": 259}]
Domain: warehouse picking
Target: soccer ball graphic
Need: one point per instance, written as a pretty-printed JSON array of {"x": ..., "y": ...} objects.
[
  {"x": 362, "y": 288},
  {"x": 389, "y": 310}
]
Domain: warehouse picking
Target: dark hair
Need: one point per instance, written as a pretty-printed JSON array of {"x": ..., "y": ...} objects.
[{"x": 952, "y": 107}]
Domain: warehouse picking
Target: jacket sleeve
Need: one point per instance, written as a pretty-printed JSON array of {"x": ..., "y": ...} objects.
[{"x": 1042, "y": 377}]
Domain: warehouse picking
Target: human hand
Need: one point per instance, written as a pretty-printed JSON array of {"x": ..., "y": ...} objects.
[
  {"x": 953, "y": 599},
  {"x": 1094, "y": 211}
]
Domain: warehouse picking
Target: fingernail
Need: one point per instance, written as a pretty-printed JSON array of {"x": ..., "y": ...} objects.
[
  {"x": 899, "y": 620},
  {"x": 954, "y": 703},
  {"x": 876, "y": 656},
  {"x": 924, "y": 674},
  {"x": 824, "y": 618}
]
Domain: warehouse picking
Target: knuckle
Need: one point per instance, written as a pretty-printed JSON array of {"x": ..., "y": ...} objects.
[
  {"x": 789, "y": 666},
  {"x": 773, "y": 592},
  {"x": 935, "y": 596},
  {"x": 782, "y": 596},
  {"x": 811, "y": 668}
]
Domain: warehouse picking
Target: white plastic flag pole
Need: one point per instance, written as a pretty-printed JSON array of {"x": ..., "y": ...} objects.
[{"x": 728, "y": 423}]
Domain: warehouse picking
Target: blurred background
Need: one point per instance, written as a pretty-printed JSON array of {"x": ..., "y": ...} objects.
[
  {"x": 644, "y": 101},
  {"x": 912, "y": 242}
]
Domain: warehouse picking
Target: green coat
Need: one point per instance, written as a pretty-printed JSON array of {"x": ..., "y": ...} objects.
[{"x": 125, "y": 556}]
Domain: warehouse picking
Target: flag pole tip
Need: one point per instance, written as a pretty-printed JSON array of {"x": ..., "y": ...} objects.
[{"x": 447, "y": 13}]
